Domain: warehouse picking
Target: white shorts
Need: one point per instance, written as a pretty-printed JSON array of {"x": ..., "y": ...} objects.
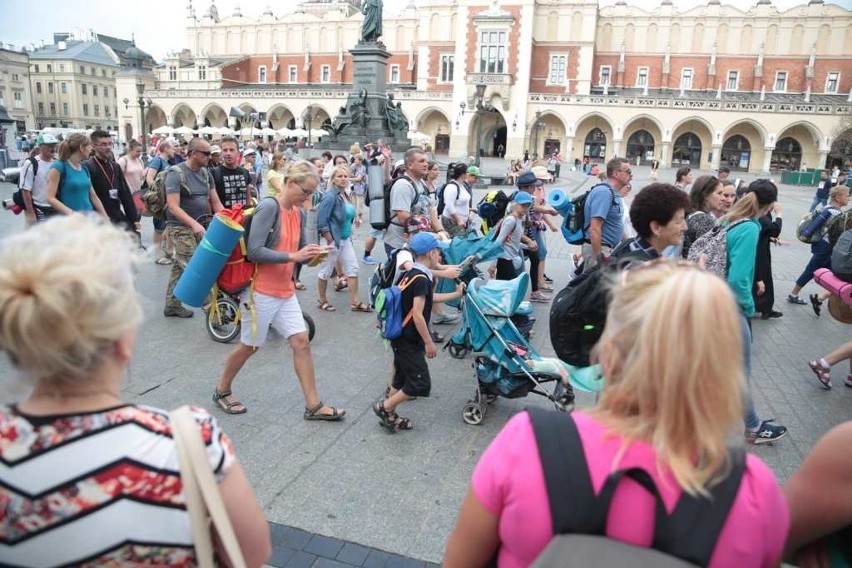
[
  {"x": 346, "y": 254},
  {"x": 283, "y": 314}
]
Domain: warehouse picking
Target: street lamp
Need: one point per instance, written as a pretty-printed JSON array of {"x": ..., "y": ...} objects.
[
  {"x": 308, "y": 119},
  {"x": 140, "y": 91},
  {"x": 538, "y": 126},
  {"x": 479, "y": 109}
]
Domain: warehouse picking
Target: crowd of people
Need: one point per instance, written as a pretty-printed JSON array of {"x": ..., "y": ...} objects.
[{"x": 68, "y": 323}]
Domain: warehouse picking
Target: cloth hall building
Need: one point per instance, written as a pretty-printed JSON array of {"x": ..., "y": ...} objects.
[{"x": 754, "y": 88}]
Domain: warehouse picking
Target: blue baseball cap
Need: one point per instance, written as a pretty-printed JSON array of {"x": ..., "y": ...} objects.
[
  {"x": 523, "y": 198},
  {"x": 421, "y": 243}
]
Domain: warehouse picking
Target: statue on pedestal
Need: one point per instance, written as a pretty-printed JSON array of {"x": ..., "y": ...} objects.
[
  {"x": 397, "y": 121},
  {"x": 371, "y": 29},
  {"x": 358, "y": 110}
]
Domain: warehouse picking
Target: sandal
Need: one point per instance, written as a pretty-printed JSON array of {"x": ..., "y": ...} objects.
[
  {"x": 361, "y": 307},
  {"x": 823, "y": 374},
  {"x": 227, "y": 407},
  {"x": 164, "y": 261},
  {"x": 385, "y": 418},
  {"x": 539, "y": 297},
  {"x": 545, "y": 287},
  {"x": 341, "y": 285},
  {"x": 325, "y": 306},
  {"x": 300, "y": 286},
  {"x": 312, "y": 413},
  {"x": 401, "y": 423}
]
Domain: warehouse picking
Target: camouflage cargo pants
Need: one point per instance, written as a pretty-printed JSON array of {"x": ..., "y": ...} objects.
[{"x": 184, "y": 242}]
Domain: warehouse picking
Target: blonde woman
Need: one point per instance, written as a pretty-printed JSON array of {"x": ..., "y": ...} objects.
[
  {"x": 68, "y": 322},
  {"x": 670, "y": 416},
  {"x": 336, "y": 216},
  {"x": 275, "y": 175},
  {"x": 69, "y": 187}
]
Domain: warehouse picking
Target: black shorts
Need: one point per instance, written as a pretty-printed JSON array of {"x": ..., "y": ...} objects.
[{"x": 410, "y": 370}]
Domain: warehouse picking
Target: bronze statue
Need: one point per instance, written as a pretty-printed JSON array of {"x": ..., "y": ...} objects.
[
  {"x": 358, "y": 110},
  {"x": 371, "y": 29}
]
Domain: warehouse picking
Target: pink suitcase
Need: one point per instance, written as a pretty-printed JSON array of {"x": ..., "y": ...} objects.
[{"x": 840, "y": 288}]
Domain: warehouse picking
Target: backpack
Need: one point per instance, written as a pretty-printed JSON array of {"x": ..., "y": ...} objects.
[
  {"x": 686, "y": 537},
  {"x": 385, "y": 274},
  {"x": 386, "y": 198},
  {"x": 813, "y": 226},
  {"x": 841, "y": 257},
  {"x": 389, "y": 308},
  {"x": 713, "y": 246},
  {"x": 18, "y": 196},
  {"x": 578, "y": 311},
  {"x": 154, "y": 198},
  {"x": 574, "y": 225},
  {"x": 492, "y": 208},
  {"x": 238, "y": 272}
]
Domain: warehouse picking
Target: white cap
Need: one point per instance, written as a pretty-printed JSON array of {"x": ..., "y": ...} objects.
[{"x": 248, "y": 152}]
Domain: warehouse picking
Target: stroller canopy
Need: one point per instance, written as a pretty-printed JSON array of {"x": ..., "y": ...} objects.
[{"x": 499, "y": 297}]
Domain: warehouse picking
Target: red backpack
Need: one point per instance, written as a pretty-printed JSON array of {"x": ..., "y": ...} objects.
[{"x": 238, "y": 273}]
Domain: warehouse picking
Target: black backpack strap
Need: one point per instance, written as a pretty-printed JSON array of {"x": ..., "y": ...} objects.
[
  {"x": 566, "y": 474},
  {"x": 694, "y": 527}
]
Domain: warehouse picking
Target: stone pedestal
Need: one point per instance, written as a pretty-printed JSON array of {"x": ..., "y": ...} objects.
[{"x": 370, "y": 62}]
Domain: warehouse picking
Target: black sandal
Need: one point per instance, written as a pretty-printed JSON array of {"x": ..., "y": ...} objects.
[
  {"x": 224, "y": 405},
  {"x": 311, "y": 413},
  {"x": 386, "y": 419},
  {"x": 402, "y": 423}
]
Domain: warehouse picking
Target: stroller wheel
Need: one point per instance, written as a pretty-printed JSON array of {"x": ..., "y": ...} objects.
[
  {"x": 473, "y": 413},
  {"x": 489, "y": 398},
  {"x": 457, "y": 351}
]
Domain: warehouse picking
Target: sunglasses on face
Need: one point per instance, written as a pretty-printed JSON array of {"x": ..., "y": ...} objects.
[{"x": 204, "y": 153}]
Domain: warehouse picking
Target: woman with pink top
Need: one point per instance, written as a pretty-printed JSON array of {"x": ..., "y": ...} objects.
[{"x": 667, "y": 420}]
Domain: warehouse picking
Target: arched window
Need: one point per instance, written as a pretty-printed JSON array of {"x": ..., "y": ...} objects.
[
  {"x": 687, "y": 150},
  {"x": 736, "y": 153},
  {"x": 787, "y": 154},
  {"x": 595, "y": 146},
  {"x": 640, "y": 145}
]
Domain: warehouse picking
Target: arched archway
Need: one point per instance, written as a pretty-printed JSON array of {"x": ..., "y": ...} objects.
[
  {"x": 640, "y": 147},
  {"x": 214, "y": 115},
  {"x": 841, "y": 150},
  {"x": 279, "y": 116},
  {"x": 183, "y": 115},
  {"x": 434, "y": 123},
  {"x": 809, "y": 138},
  {"x": 736, "y": 153},
  {"x": 593, "y": 132},
  {"x": 488, "y": 130},
  {"x": 155, "y": 118},
  {"x": 787, "y": 154},
  {"x": 547, "y": 134},
  {"x": 691, "y": 151}
]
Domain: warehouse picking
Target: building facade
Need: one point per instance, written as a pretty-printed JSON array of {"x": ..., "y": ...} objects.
[
  {"x": 15, "y": 93},
  {"x": 756, "y": 89},
  {"x": 74, "y": 80}
]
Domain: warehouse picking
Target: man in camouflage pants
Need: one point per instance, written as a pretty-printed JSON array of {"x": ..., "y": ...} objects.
[{"x": 190, "y": 193}]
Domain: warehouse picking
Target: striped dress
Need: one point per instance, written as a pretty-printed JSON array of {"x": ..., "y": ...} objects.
[{"x": 97, "y": 489}]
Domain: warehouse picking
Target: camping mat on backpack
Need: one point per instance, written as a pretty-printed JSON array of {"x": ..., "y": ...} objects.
[{"x": 207, "y": 262}]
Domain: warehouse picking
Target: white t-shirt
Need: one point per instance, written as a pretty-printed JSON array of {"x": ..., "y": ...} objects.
[
  {"x": 37, "y": 185},
  {"x": 456, "y": 201}
]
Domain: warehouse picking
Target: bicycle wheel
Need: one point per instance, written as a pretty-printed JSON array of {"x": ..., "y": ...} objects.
[
  {"x": 223, "y": 326},
  {"x": 309, "y": 323}
]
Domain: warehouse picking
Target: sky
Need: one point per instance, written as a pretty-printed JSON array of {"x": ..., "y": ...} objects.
[{"x": 123, "y": 18}]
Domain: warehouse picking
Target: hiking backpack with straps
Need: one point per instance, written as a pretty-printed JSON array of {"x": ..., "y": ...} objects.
[
  {"x": 154, "y": 197},
  {"x": 813, "y": 226},
  {"x": 713, "y": 247},
  {"x": 238, "y": 272},
  {"x": 685, "y": 538},
  {"x": 389, "y": 307},
  {"x": 492, "y": 208},
  {"x": 574, "y": 225},
  {"x": 18, "y": 196},
  {"x": 386, "y": 199},
  {"x": 385, "y": 274}
]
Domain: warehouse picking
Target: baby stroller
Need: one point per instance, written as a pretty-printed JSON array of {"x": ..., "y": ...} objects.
[
  {"x": 467, "y": 251},
  {"x": 506, "y": 365}
]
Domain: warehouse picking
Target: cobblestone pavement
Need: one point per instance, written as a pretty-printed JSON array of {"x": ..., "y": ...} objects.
[{"x": 395, "y": 498}]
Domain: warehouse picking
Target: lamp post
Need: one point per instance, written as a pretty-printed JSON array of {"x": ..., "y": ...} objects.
[
  {"x": 308, "y": 119},
  {"x": 480, "y": 108},
  {"x": 538, "y": 126},
  {"x": 140, "y": 91}
]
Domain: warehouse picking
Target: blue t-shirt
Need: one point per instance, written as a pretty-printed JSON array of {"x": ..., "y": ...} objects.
[
  {"x": 158, "y": 164},
  {"x": 74, "y": 191},
  {"x": 346, "y": 231},
  {"x": 605, "y": 203}
]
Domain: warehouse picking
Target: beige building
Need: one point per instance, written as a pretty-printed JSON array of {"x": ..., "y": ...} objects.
[
  {"x": 15, "y": 88},
  {"x": 755, "y": 88},
  {"x": 74, "y": 80}
]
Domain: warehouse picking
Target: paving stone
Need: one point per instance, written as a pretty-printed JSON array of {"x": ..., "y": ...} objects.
[
  {"x": 324, "y": 546},
  {"x": 301, "y": 560},
  {"x": 328, "y": 563},
  {"x": 295, "y": 538},
  {"x": 281, "y": 555},
  {"x": 354, "y": 554},
  {"x": 376, "y": 559}
]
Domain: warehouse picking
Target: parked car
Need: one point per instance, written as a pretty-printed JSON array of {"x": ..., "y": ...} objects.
[{"x": 10, "y": 175}]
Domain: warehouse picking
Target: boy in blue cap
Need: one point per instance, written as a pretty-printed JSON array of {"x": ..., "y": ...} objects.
[{"x": 410, "y": 371}]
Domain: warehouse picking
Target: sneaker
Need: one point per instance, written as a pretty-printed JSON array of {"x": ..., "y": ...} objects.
[
  {"x": 437, "y": 337},
  {"x": 368, "y": 259},
  {"x": 815, "y": 304},
  {"x": 848, "y": 382},
  {"x": 771, "y": 315},
  {"x": 445, "y": 318},
  {"x": 791, "y": 299},
  {"x": 180, "y": 312},
  {"x": 766, "y": 433},
  {"x": 548, "y": 279}
]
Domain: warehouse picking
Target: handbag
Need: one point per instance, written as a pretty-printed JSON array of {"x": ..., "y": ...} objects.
[{"x": 204, "y": 503}]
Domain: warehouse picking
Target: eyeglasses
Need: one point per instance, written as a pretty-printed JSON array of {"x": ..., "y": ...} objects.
[
  {"x": 305, "y": 191},
  {"x": 204, "y": 153},
  {"x": 628, "y": 171}
]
